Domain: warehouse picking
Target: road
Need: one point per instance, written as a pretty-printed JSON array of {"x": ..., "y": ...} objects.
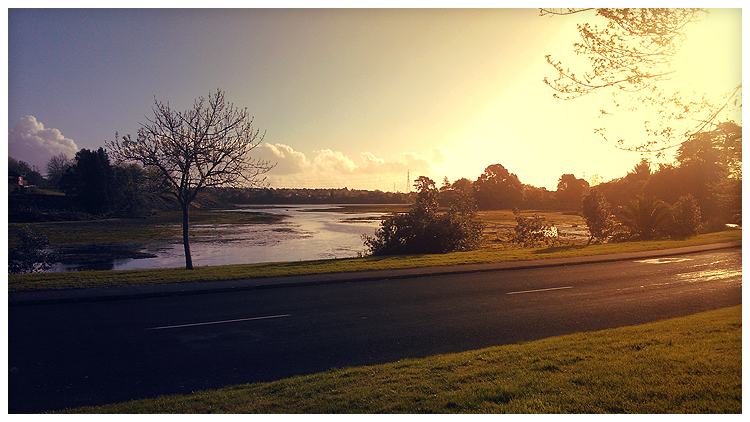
[{"x": 64, "y": 355}]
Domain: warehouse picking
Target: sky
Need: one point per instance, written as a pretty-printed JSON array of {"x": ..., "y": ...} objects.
[{"x": 357, "y": 98}]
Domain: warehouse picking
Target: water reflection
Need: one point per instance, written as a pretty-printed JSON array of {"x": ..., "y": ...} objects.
[{"x": 307, "y": 233}]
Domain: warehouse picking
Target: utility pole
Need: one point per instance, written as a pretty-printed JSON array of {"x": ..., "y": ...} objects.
[{"x": 408, "y": 187}]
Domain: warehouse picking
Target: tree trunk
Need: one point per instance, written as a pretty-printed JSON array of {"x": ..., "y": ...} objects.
[{"x": 185, "y": 239}]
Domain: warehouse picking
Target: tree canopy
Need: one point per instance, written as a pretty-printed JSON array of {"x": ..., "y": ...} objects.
[{"x": 497, "y": 188}]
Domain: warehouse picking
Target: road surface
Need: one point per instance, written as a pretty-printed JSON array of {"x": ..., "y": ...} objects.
[{"x": 98, "y": 352}]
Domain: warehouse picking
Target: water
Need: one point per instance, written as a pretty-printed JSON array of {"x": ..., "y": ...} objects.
[{"x": 307, "y": 233}]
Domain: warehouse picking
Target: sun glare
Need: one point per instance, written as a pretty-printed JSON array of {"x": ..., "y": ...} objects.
[{"x": 710, "y": 59}]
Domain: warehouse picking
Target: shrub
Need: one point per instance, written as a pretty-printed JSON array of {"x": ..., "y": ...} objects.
[
  {"x": 424, "y": 230},
  {"x": 31, "y": 254},
  {"x": 599, "y": 219},
  {"x": 646, "y": 218},
  {"x": 534, "y": 231},
  {"x": 686, "y": 215}
]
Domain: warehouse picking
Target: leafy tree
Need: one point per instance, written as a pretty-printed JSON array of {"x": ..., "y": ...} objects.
[
  {"x": 56, "y": 167},
  {"x": 31, "y": 173},
  {"x": 646, "y": 218},
  {"x": 631, "y": 56},
  {"x": 497, "y": 188},
  {"x": 464, "y": 186},
  {"x": 570, "y": 190},
  {"x": 536, "y": 198},
  {"x": 206, "y": 146},
  {"x": 31, "y": 254},
  {"x": 599, "y": 219},
  {"x": 90, "y": 181},
  {"x": 424, "y": 230},
  {"x": 686, "y": 217},
  {"x": 710, "y": 169}
]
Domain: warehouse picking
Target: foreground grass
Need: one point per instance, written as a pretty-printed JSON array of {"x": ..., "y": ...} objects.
[
  {"x": 685, "y": 365},
  {"x": 87, "y": 279}
]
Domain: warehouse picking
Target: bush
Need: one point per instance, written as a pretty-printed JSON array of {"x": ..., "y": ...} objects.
[
  {"x": 686, "y": 217},
  {"x": 599, "y": 219},
  {"x": 534, "y": 231},
  {"x": 423, "y": 230},
  {"x": 31, "y": 254},
  {"x": 646, "y": 218}
]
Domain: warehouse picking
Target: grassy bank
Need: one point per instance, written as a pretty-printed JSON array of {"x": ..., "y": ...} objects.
[
  {"x": 164, "y": 226},
  {"x": 684, "y": 365},
  {"x": 86, "y": 279}
]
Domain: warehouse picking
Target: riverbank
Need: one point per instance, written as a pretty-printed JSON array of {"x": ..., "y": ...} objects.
[{"x": 97, "y": 279}]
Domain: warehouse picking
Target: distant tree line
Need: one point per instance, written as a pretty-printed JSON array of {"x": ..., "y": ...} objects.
[
  {"x": 705, "y": 183},
  {"x": 702, "y": 191}
]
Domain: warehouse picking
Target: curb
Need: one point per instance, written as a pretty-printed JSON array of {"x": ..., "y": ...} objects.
[{"x": 25, "y": 298}]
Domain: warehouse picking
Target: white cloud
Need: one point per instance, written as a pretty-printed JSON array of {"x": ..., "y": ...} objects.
[
  {"x": 417, "y": 163},
  {"x": 374, "y": 165},
  {"x": 286, "y": 159},
  {"x": 29, "y": 141},
  {"x": 329, "y": 168},
  {"x": 328, "y": 161}
]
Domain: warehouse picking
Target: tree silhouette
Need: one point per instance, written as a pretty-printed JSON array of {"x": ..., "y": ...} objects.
[
  {"x": 631, "y": 57},
  {"x": 570, "y": 190},
  {"x": 497, "y": 188},
  {"x": 206, "y": 146},
  {"x": 56, "y": 167}
]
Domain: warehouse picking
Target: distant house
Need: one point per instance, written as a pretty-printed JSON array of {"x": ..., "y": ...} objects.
[{"x": 16, "y": 182}]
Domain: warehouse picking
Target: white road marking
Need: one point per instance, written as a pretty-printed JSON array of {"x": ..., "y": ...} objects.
[
  {"x": 539, "y": 290},
  {"x": 218, "y": 322},
  {"x": 663, "y": 260}
]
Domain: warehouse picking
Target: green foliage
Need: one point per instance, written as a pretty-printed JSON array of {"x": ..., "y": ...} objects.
[
  {"x": 423, "y": 230},
  {"x": 646, "y": 218},
  {"x": 534, "y": 231},
  {"x": 686, "y": 217},
  {"x": 30, "y": 255},
  {"x": 599, "y": 219}
]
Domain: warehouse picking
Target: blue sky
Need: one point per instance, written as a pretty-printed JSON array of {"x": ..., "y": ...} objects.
[{"x": 351, "y": 98}]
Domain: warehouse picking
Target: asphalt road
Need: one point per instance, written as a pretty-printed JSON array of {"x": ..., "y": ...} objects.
[{"x": 73, "y": 354}]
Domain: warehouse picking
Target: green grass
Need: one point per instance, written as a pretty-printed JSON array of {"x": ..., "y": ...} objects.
[
  {"x": 86, "y": 279},
  {"x": 684, "y": 365}
]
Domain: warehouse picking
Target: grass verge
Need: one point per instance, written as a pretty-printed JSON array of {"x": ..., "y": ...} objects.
[
  {"x": 88, "y": 279},
  {"x": 685, "y": 365}
]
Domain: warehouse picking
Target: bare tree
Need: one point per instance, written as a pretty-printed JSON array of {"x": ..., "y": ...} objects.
[
  {"x": 56, "y": 167},
  {"x": 206, "y": 146},
  {"x": 632, "y": 55}
]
